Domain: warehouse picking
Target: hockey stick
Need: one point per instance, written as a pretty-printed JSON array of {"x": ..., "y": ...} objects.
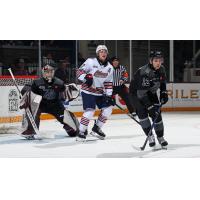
[
  {"x": 131, "y": 116},
  {"x": 152, "y": 126},
  {"x": 30, "y": 116}
]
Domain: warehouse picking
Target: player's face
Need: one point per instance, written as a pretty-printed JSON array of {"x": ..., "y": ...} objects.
[
  {"x": 102, "y": 55},
  {"x": 115, "y": 63},
  {"x": 49, "y": 74},
  {"x": 157, "y": 62}
]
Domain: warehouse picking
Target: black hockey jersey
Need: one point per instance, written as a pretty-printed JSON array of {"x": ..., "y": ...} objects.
[
  {"x": 50, "y": 92},
  {"x": 147, "y": 81}
]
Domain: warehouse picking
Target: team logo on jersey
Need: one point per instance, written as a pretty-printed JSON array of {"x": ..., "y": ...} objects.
[
  {"x": 145, "y": 82},
  {"x": 100, "y": 74},
  {"x": 42, "y": 87}
]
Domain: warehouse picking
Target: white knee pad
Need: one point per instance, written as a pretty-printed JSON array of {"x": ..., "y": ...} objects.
[
  {"x": 89, "y": 113},
  {"x": 106, "y": 112}
]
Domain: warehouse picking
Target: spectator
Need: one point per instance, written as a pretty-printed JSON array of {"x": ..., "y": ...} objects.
[
  {"x": 81, "y": 60},
  {"x": 1, "y": 68},
  {"x": 62, "y": 72},
  {"x": 20, "y": 68},
  {"x": 48, "y": 60}
]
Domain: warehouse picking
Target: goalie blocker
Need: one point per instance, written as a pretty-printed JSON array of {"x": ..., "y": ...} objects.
[{"x": 46, "y": 96}]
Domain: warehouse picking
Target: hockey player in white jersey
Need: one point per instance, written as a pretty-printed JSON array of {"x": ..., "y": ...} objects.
[{"x": 96, "y": 75}]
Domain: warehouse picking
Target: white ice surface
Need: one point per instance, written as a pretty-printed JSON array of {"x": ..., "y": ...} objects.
[{"x": 182, "y": 130}]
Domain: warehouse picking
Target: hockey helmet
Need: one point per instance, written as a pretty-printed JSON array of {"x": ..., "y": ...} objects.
[
  {"x": 114, "y": 58},
  {"x": 48, "y": 72},
  {"x": 101, "y": 47},
  {"x": 155, "y": 54}
]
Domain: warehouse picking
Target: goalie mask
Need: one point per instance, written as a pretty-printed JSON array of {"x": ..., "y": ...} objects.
[{"x": 48, "y": 72}]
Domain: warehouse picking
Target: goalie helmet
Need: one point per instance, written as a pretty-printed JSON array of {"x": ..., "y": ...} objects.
[
  {"x": 48, "y": 72},
  {"x": 101, "y": 47}
]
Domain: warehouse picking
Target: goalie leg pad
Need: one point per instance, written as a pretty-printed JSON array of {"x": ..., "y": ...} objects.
[
  {"x": 71, "y": 124},
  {"x": 34, "y": 103}
]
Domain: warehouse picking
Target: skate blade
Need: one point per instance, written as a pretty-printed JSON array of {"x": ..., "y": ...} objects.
[
  {"x": 28, "y": 137},
  {"x": 159, "y": 148},
  {"x": 78, "y": 139},
  {"x": 164, "y": 147},
  {"x": 86, "y": 141},
  {"x": 97, "y": 136}
]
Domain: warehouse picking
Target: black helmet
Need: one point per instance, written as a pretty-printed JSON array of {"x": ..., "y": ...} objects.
[
  {"x": 114, "y": 58},
  {"x": 155, "y": 54}
]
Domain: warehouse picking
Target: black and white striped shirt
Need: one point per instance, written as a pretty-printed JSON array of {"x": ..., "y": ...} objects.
[{"x": 119, "y": 73}]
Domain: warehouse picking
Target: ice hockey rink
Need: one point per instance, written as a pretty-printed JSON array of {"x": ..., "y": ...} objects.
[{"x": 182, "y": 130}]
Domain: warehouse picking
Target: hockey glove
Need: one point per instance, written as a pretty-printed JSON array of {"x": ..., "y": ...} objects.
[
  {"x": 151, "y": 83},
  {"x": 89, "y": 80},
  {"x": 163, "y": 97},
  {"x": 110, "y": 100},
  {"x": 153, "y": 110}
]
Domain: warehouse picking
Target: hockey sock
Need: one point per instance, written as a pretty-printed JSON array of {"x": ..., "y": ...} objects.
[
  {"x": 104, "y": 115},
  {"x": 87, "y": 115}
]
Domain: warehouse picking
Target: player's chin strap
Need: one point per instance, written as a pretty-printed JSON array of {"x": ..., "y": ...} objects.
[{"x": 130, "y": 115}]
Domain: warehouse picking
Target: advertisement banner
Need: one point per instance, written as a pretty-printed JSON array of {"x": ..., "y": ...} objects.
[{"x": 181, "y": 95}]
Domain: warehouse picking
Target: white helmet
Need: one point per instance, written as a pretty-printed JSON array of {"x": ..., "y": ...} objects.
[
  {"x": 48, "y": 72},
  {"x": 101, "y": 47}
]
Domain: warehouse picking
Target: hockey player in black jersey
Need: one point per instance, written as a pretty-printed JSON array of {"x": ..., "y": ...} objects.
[
  {"x": 143, "y": 90},
  {"x": 44, "y": 96}
]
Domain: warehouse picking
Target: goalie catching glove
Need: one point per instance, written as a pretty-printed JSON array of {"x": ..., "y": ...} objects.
[{"x": 71, "y": 92}]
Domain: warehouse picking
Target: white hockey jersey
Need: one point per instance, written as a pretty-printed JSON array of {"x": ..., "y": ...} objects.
[{"x": 102, "y": 77}]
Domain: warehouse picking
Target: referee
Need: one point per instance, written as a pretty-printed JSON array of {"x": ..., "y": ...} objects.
[{"x": 120, "y": 77}]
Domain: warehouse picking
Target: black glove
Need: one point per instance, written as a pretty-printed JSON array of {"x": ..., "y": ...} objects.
[
  {"x": 110, "y": 100},
  {"x": 153, "y": 110},
  {"x": 151, "y": 83},
  {"x": 163, "y": 97},
  {"x": 89, "y": 80}
]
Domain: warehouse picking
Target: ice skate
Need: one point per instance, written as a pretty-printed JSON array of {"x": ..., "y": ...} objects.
[
  {"x": 97, "y": 132},
  {"x": 28, "y": 135},
  {"x": 162, "y": 142},
  {"x": 151, "y": 140},
  {"x": 81, "y": 137}
]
